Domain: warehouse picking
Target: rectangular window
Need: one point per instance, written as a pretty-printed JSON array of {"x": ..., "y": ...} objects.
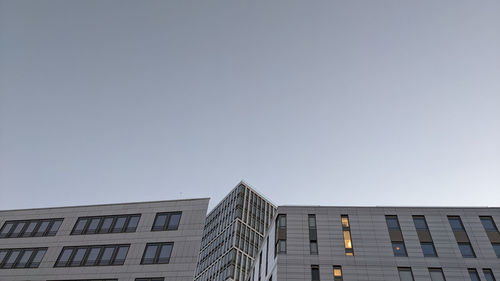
[
  {"x": 346, "y": 230},
  {"x": 92, "y": 255},
  {"x": 436, "y": 274},
  {"x": 337, "y": 273},
  {"x": 21, "y": 257},
  {"x": 466, "y": 250},
  {"x": 315, "y": 272},
  {"x": 474, "y": 276},
  {"x": 405, "y": 274},
  {"x": 313, "y": 235},
  {"x": 106, "y": 224},
  {"x": 396, "y": 236},
  {"x": 280, "y": 246},
  {"x": 428, "y": 249},
  {"x": 30, "y": 228},
  {"x": 488, "y": 224},
  {"x": 157, "y": 253},
  {"x": 488, "y": 274},
  {"x": 461, "y": 236},
  {"x": 399, "y": 249},
  {"x": 496, "y": 247},
  {"x": 492, "y": 232},
  {"x": 420, "y": 223},
  {"x": 167, "y": 221},
  {"x": 456, "y": 223},
  {"x": 392, "y": 222},
  {"x": 150, "y": 279}
]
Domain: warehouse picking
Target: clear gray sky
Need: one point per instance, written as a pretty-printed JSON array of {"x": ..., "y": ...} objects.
[{"x": 388, "y": 102}]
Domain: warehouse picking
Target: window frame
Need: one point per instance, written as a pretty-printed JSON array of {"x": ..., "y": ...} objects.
[
  {"x": 110, "y": 230},
  {"x": 165, "y": 227},
  {"x": 34, "y": 232},
  {"x": 159, "y": 247},
  {"x": 97, "y": 262}
]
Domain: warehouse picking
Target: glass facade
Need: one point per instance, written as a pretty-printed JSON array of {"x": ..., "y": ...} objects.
[{"x": 233, "y": 232}]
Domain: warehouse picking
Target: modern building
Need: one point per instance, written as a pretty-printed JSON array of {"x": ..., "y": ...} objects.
[
  {"x": 233, "y": 231},
  {"x": 380, "y": 243},
  {"x": 150, "y": 241}
]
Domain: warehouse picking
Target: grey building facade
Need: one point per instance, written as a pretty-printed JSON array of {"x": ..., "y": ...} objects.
[
  {"x": 150, "y": 241},
  {"x": 380, "y": 243},
  {"x": 233, "y": 231}
]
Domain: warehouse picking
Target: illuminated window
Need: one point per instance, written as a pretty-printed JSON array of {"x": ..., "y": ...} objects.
[
  {"x": 346, "y": 229},
  {"x": 337, "y": 273},
  {"x": 399, "y": 249}
]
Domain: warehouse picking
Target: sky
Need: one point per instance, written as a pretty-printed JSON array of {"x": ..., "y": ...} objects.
[{"x": 364, "y": 103}]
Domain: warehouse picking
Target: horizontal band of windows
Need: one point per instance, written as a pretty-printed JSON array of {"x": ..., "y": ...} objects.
[
  {"x": 157, "y": 253},
  {"x": 30, "y": 228},
  {"x": 167, "y": 221},
  {"x": 100, "y": 255},
  {"x": 106, "y": 224},
  {"x": 21, "y": 257}
]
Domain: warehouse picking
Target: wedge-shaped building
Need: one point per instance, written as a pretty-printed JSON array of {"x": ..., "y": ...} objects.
[
  {"x": 233, "y": 231},
  {"x": 380, "y": 243},
  {"x": 150, "y": 241}
]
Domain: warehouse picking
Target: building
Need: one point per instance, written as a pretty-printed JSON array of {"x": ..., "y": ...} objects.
[
  {"x": 380, "y": 243},
  {"x": 150, "y": 241},
  {"x": 233, "y": 231}
]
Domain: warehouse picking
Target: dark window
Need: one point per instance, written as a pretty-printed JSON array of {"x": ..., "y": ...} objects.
[
  {"x": 78, "y": 257},
  {"x": 150, "y": 279},
  {"x": 80, "y": 226},
  {"x": 132, "y": 223},
  {"x": 42, "y": 228},
  {"x": 314, "y": 272},
  {"x": 488, "y": 224},
  {"x": 337, "y": 273},
  {"x": 106, "y": 256},
  {"x": 119, "y": 224},
  {"x": 436, "y": 274},
  {"x": 167, "y": 221},
  {"x": 24, "y": 258},
  {"x": 420, "y": 222},
  {"x": 399, "y": 249},
  {"x": 405, "y": 274},
  {"x": 466, "y": 250},
  {"x": 488, "y": 274},
  {"x": 428, "y": 249},
  {"x": 474, "y": 276},
  {"x": 456, "y": 223},
  {"x": 313, "y": 235},
  {"x": 94, "y": 224},
  {"x": 280, "y": 245},
  {"x": 496, "y": 247},
  {"x": 157, "y": 253},
  {"x": 314, "y": 247},
  {"x": 92, "y": 255},
  {"x": 6, "y": 228},
  {"x": 106, "y": 224},
  {"x": 120, "y": 255},
  {"x": 21, "y": 258},
  {"x": 392, "y": 222},
  {"x": 29, "y": 228}
]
